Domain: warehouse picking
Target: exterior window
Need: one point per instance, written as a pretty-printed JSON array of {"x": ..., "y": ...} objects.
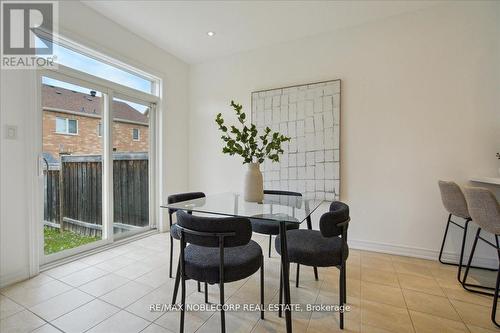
[
  {"x": 90, "y": 64},
  {"x": 66, "y": 126},
  {"x": 135, "y": 134},
  {"x": 99, "y": 130}
]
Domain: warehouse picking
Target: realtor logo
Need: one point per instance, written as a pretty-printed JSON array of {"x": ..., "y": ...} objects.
[{"x": 28, "y": 30}]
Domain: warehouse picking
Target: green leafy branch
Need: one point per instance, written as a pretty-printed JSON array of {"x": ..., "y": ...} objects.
[{"x": 246, "y": 141}]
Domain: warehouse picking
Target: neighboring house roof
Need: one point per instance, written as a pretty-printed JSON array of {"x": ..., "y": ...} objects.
[{"x": 57, "y": 98}]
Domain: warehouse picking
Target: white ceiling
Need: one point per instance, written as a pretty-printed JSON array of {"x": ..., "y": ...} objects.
[{"x": 180, "y": 27}]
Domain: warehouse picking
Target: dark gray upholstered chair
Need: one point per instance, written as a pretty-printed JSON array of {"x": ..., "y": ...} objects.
[
  {"x": 271, "y": 228},
  {"x": 485, "y": 211},
  {"x": 324, "y": 248},
  {"x": 220, "y": 250},
  {"x": 455, "y": 204},
  {"x": 174, "y": 198}
]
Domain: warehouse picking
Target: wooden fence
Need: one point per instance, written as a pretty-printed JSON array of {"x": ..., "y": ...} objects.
[{"x": 79, "y": 183}]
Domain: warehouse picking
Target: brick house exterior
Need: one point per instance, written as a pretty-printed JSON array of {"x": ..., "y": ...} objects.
[{"x": 86, "y": 110}]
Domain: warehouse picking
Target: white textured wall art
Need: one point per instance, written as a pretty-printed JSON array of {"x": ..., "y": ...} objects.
[{"x": 310, "y": 115}]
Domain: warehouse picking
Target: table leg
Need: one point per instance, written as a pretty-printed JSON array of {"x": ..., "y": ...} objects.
[{"x": 285, "y": 266}]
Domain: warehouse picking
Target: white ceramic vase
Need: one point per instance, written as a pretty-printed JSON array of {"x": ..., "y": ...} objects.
[{"x": 253, "y": 188}]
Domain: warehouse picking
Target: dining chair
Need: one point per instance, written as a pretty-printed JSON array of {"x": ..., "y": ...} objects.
[
  {"x": 271, "y": 228},
  {"x": 324, "y": 248},
  {"x": 455, "y": 204},
  {"x": 220, "y": 250},
  {"x": 485, "y": 211},
  {"x": 174, "y": 198}
]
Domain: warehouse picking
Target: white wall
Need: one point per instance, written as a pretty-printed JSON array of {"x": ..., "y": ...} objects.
[
  {"x": 420, "y": 102},
  {"x": 18, "y": 106}
]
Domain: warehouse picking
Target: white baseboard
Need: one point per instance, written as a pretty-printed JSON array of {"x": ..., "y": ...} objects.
[
  {"x": 8, "y": 279},
  {"x": 416, "y": 252}
]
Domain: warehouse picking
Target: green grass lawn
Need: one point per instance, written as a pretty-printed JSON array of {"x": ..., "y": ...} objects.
[{"x": 56, "y": 241}]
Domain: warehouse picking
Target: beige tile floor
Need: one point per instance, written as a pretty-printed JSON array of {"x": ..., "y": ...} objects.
[{"x": 112, "y": 292}]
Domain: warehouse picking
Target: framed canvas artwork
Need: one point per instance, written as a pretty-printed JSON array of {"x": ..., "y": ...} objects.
[{"x": 310, "y": 115}]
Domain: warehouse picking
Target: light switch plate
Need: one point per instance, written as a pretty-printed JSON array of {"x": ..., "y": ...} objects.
[{"x": 11, "y": 132}]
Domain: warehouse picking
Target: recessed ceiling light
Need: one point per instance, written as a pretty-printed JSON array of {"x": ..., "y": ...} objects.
[{"x": 211, "y": 34}]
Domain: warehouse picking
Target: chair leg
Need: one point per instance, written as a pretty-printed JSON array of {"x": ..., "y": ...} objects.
[
  {"x": 222, "y": 314},
  {"x": 171, "y": 256},
  {"x": 297, "y": 276},
  {"x": 183, "y": 287},
  {"x": 281, "y": 292},
  {"x": 309, "y": 222},
  {"x": 171, "y": 244},
  {"x": 444, "y": 239},
  {"x": 345, "y": 284},
  {"x": 465, "y": 285},
  {"x": 221, "y": 285},
  {"x": 495, "y": 296},
  {"x": 464, "y": 281},
  {"x": 206, "y": 292},
  {"x": 199, "y": 286},
  {"x": 183, "y": 303},
  {"x": 460, "y": 264},
  {"x": 309, "y": 226},
  {"x": 176, "y": 285},
  {"x": 262, "y": 289},
  {"x": 495, "y": 300},
  {"x": 464, "y": 240},
  {"x": 270, "y": 242},
  {"x": 342, "y": 294}
]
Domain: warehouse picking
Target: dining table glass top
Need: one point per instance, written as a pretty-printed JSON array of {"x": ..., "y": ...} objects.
[{"x": 287, "y": 208}]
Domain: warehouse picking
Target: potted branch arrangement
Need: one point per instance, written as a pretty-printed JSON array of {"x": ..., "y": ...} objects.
[{"x": 253, "y": 148}]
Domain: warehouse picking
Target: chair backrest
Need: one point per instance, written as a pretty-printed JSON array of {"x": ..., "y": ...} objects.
[
  {"x": 484, "y": 208},
  {"x": 288, "y": 198},
  {"x": 329, "y": 222},
  {"x": 206, "y": 231},
  {"x": 278, "y": 192},
  {"x": 179, "y": 197},
  {"x": 453, "y": 199}
]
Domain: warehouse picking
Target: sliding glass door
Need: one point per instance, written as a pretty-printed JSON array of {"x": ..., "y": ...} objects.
[
  {"x": 72, "y": 154},
  {"x": 131, "y": 150},
  {"x": 97, "y": 163}
]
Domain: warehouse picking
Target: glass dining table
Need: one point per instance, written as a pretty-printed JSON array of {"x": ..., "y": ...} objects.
[{"x": 278, "y": 208}]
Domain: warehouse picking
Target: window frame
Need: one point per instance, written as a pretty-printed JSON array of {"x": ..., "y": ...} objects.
[
  {"x": 99, "y": 129},
  {"x": 138, "y": 134},
  {"x": 72, "y": 45},
  {"x": 111, "y": 89},
  {"x": 67, "y": 120}
]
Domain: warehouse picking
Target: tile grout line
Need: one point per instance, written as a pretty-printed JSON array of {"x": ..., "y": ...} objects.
[
  {"x": 22, "y": 306},
  {"x": 235, "y": 293},
  {"x": 72, "y": 288},
  {"x": 406, "y": 304},
  {"x": 449, "y": 301},
  {"x": 317, "y": 296},
  {"x": 93, "y": 299},
  {"x": 34, "y": 314},
  {"x": 45, "y": 300}
]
